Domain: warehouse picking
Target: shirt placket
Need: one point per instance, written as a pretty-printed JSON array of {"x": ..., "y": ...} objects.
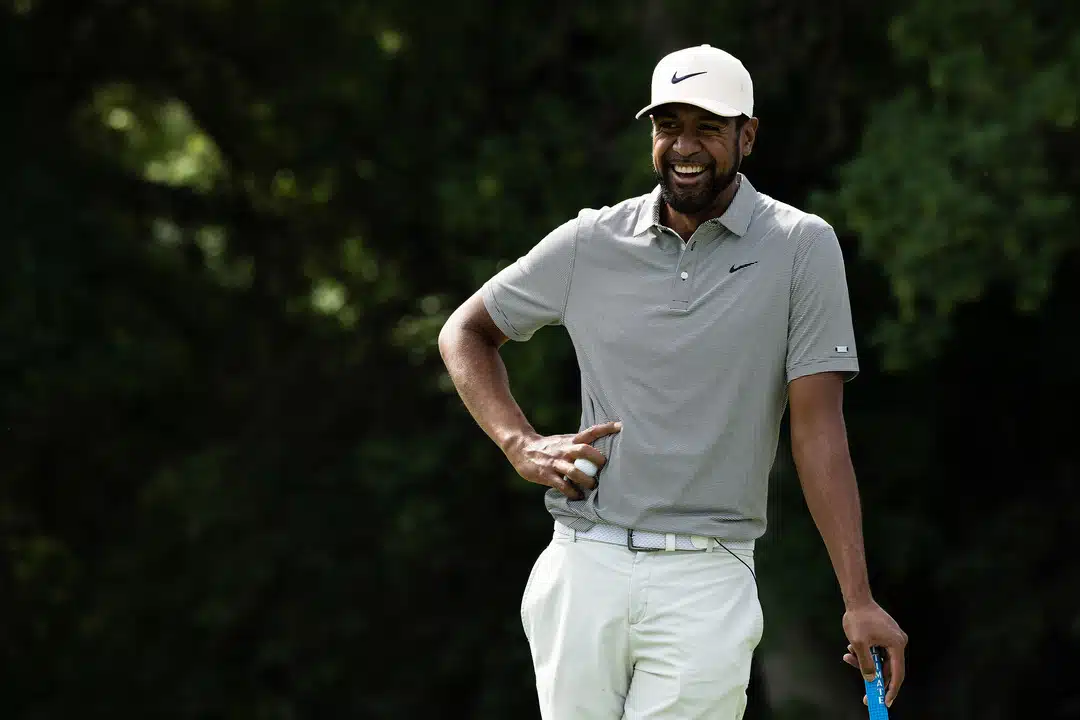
[{"x": 684, "y": 275}]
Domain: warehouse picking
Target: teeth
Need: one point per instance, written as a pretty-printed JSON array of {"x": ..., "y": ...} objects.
[{"x": 689, "y": 169}]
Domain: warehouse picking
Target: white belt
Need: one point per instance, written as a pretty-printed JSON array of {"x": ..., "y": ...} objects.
[{"x": 644, "y": 540}]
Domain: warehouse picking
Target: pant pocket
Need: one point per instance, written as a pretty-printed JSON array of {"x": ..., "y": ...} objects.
[
  {"x": 759, "y": 624},
  {"x": 528, "y": 586}
]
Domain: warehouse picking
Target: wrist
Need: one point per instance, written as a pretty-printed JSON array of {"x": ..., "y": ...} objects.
[
  {"x": 512, "y": 441},
  {"x": 858, "y": 599}
]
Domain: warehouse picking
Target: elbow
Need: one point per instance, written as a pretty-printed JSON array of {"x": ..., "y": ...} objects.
[
  {"x": 468, "y": 328},
  {"x": 447, "y": 337}
]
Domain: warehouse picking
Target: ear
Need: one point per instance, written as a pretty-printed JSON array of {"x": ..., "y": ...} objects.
[{"x": 748, "y": 136}]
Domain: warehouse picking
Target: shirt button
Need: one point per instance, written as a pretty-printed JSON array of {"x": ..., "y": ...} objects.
[{"x": 684, "y": 275}]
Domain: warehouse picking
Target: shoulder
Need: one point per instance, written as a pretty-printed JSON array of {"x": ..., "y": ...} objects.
[
  {"x": 782, "y": 218},
  {"x": 591, "y": 225},
  {"x": 619, "y": 220}
]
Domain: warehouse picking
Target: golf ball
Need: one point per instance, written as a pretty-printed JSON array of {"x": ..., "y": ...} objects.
[{"x": 586, "y": 466}]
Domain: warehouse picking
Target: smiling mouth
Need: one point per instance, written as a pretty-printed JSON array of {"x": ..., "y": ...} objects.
[{"x": 688, "y": 172}]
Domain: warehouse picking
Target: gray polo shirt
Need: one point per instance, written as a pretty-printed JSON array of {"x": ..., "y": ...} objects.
[{"x": 691, "y": 345}]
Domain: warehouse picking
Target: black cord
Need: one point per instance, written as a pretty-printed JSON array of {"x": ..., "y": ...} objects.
[{"x": 739, "y": 559}]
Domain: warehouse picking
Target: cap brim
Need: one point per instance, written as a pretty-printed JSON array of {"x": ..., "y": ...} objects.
[{"x": 715, "y": 108}]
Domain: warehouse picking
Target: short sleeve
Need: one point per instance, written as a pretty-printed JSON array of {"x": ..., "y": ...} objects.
[
  {"x": 821, "y": 337},
  {"x": 532, "y": 292}
]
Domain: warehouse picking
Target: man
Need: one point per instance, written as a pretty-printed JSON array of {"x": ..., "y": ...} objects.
[{"x": 699, "y": 313}]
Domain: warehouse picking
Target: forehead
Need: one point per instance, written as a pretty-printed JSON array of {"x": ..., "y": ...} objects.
[{"x": 685, "y": 113}]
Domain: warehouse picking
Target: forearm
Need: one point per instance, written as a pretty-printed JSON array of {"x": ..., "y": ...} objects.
[
  {"x": 479, "y": 374},
  {"x": 828, "y": 480}
]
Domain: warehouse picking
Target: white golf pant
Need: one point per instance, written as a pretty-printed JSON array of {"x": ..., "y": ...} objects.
[{"x": 622, "y": 635}]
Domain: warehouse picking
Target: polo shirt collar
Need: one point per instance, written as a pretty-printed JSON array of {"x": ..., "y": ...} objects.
[
  {"x": 736, "y": 218},
  {"x": 649, "y": 212}
]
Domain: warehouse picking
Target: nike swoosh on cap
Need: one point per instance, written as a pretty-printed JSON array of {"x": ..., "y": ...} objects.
[{"x": 676, "y": 79}]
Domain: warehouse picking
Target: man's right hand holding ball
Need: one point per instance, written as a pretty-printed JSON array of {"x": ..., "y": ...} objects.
[{"x": 551, "y": 460}]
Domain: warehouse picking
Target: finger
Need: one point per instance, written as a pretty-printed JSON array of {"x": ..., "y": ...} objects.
[
  {"x": 589, "y": 453},
  {"x": 564, "y": 486},
  {"x": 590, "y": 435},
  {"x": 567, "y": 470},
  {"x": 896, "y": 673},
  {"x": 866, "y": 661},
  {"x": 851, "y": 660}
]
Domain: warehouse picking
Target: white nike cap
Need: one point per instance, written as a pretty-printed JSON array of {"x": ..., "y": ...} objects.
[{"x": 703, "y": 76}]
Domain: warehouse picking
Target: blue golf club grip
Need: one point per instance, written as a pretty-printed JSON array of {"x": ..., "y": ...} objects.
[{"x": 875, "y": 690}]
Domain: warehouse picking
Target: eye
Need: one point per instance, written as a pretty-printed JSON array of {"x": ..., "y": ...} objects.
[
  {"x": 666, "y": 125},
  {"x": 711, "y": 128}
]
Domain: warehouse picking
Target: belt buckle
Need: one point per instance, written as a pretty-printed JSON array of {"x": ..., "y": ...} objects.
[{"x": 634, "y": 548}]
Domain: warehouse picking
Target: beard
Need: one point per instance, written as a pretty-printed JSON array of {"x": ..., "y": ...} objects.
[{"x": 697, "y": 199}]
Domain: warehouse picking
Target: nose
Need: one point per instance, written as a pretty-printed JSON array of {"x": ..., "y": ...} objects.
[{"x": 687, "y": 143}]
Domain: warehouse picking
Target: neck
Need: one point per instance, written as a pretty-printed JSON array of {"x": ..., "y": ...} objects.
[{"x": 686, "y": 223}]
